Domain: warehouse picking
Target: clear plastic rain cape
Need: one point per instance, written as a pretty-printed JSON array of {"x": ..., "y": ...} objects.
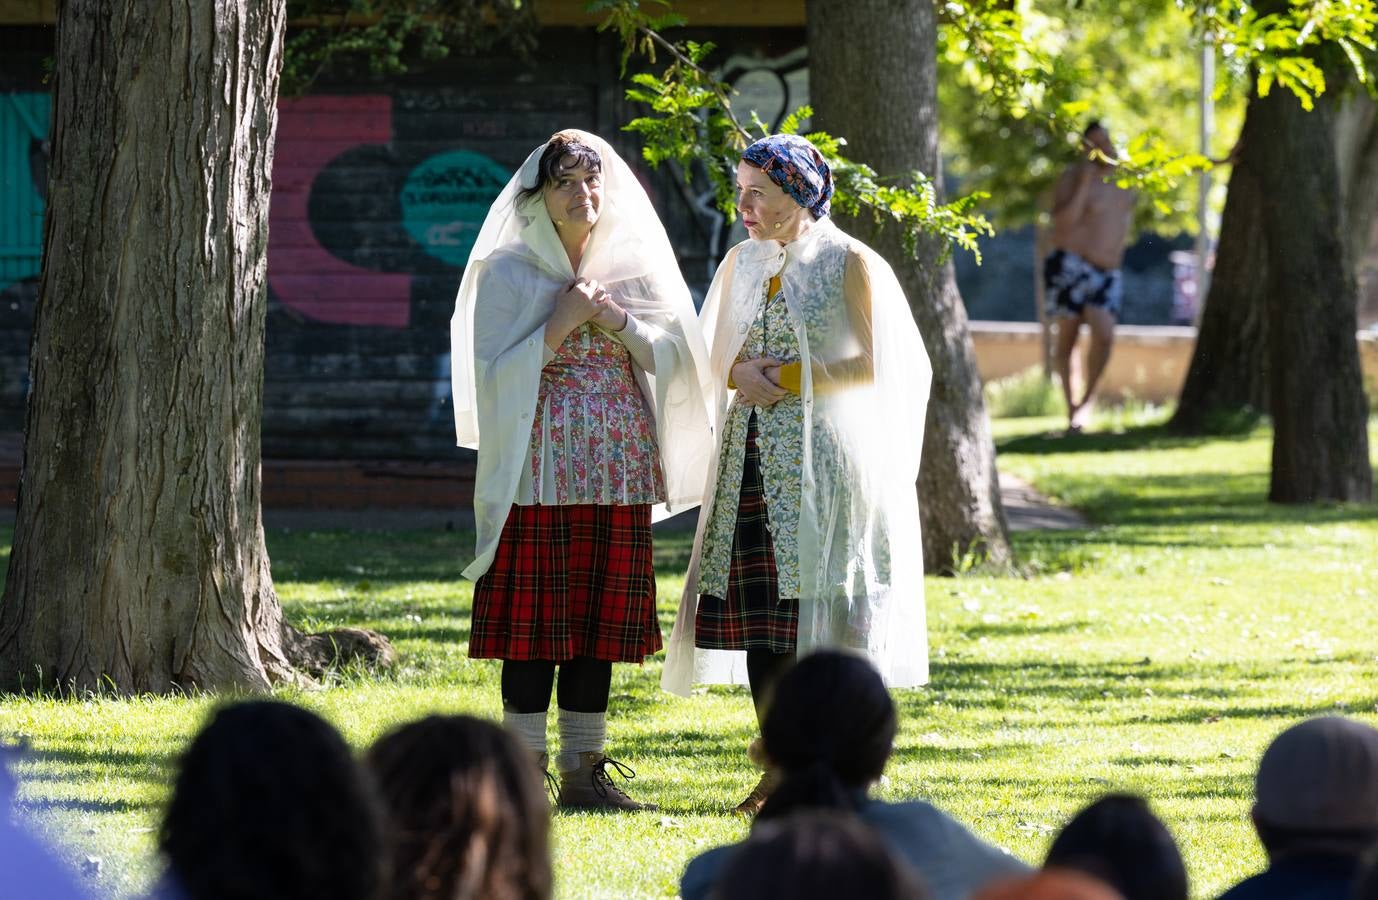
[
  {"x": 864, "y": 395},
  {"x": 497, "y": 336}
]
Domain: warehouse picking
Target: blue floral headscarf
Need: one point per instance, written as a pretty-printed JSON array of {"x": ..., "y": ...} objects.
[{"x": 797, "y": 166}]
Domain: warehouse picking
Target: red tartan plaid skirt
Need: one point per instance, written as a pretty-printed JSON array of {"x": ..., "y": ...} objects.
[
  {"x": 569, "y": 581},
  {"x": 752, "y": 615}
]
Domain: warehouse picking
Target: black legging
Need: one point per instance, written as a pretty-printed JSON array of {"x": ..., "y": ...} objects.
[
  {"x": 584, "y": 685},
  {"x": 763, "y": 668}
]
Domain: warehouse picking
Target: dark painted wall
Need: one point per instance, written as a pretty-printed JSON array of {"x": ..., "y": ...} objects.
[{"x": 379, "y": 190}]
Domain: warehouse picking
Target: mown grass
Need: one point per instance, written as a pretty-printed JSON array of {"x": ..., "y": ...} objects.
[{"x": 1156, "y": 651}]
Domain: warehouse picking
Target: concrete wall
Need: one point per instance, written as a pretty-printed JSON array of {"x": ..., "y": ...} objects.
[{"x": 1148, "y": 363}]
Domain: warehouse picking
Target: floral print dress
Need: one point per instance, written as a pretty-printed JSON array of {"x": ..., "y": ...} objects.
[
  {"x": 780, "y": 440},
  {"x": 593, "y": 437}
]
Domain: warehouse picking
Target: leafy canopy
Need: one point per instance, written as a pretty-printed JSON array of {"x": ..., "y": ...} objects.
[
  {"x": 381, "y": 38},
  {"x": 690, "y": 122},
  {"x": 1020, "y": 80}
]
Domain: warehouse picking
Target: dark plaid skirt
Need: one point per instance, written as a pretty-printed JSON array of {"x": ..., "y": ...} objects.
[
  {"x": 569, "y": 581},
  {"x": 752, "y": 616}
]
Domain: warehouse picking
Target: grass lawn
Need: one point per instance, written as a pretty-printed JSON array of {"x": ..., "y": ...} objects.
[{"x": 1157, "y": 651}]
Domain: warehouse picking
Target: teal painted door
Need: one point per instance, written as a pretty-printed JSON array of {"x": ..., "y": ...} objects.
[{"x": 23, "y": 127}]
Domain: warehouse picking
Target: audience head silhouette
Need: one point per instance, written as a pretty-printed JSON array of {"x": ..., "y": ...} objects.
[
  {"x": 830, "y": 728},
  {"x": 465, "y": 810},
  {"x": 1119, "y": 840},
  {"x": 816, "y": 855},
  {"x": 1317, "y": 789},
  {"x": 270, "y": 803}
]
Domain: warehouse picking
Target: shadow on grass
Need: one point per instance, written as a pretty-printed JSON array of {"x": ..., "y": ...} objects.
[
  {"x": 1020, "y": 629},
  {"x": 672, "y": 550},
  {"x": 1069, "y": 695},
  {"x": 75, "y": 765},
  {"x": 1144, "y": 437},
  {"x": 87, "y": 806},
  {"x": 1206, "y": 497},
  {"x": 379, "y": 557},
  {"x": 101, "y": 757}
]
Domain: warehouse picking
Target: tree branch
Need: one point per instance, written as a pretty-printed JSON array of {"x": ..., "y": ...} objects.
[{"x": 707, "y": 76}]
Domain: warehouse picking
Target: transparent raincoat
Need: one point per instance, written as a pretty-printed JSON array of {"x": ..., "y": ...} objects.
[
  {"x": 864, "y": 395},
  {"x": 497, "y": 336}
]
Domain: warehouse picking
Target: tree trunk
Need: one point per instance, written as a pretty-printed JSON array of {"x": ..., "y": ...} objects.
[
  {"x": 873, "y": 80},
  {"x": 1356, "y": 154},
  {"x": 1228, "y": 376},
  {"x": 1320, "y": 417},
  {"x": 1356, "y": 137},
  {"x": 1229, "y": 372},
  {"x": 139, "y": 561}
]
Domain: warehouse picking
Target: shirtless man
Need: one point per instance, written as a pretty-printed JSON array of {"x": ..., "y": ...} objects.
[{"x": 1091, "y": 218}]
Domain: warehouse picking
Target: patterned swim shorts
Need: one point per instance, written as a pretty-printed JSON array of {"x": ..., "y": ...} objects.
[{"x": 1072, "y": 283}]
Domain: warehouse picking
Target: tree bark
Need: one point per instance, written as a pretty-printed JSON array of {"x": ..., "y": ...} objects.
[
  {"x": 139, "y": 561},
  {"x": 873, "y": 80},
  {"x": 1356, "y": 137},
  {"x": 1356, "y": 154},
  {"x": 1229, "y": 371},
  {"x": 1228, "y": 375},
  {"x": 1320, "y": 417}
]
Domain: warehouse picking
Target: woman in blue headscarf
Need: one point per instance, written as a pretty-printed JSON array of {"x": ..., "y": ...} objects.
[{"x": 809, "y": 532}]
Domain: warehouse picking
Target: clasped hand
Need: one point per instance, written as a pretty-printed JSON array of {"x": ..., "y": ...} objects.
[
  {"x": 583, "y": 300},
  {"x": 758, "y": 380}
]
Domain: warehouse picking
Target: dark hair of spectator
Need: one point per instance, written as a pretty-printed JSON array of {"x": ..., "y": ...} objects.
[
  {"x": 1366, "y": 882},
  {"x": 1280, "y": 842},
  {"x": 269, "y": 802},
  {"x": 466, "y": 812},
  {"x": 1093, "y": 125},
  {"x": 563, "y": 153},
  {"x": 816, "y": 856},
  {"x": 830, "y": 728},
  {"x": 1119, "y": 840}
]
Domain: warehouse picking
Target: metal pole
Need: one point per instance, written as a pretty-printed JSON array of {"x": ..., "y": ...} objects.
[{"x": 1203, "y": 229}]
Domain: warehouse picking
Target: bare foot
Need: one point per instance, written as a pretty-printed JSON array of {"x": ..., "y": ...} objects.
[{"x": 1081, "y": 414}]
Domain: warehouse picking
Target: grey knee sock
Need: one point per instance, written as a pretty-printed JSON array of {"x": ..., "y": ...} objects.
[
  {"x": 580, "y": 732},
  {"x": 529, "y": 729}
]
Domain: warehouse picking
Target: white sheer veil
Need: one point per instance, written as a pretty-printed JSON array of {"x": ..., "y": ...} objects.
[
  {"x": 628, "y": 247},
  {"x": 860, "y": 549}
]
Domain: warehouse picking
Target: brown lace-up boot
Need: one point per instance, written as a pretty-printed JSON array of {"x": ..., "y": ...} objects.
[
  {"x": 589, "y": 787},
  {"x": 756, "y": 753},
  {"x": 759, "y": 794}
]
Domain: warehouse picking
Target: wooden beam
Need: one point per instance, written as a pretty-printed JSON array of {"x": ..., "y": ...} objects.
[
  {"x": 28, "y": 12},
  {"x": 700, "y": 13},
  {"x": 742, "y": 13}
]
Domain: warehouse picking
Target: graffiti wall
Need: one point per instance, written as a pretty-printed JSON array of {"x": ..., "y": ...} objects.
[
  {"x": 23, "y": 179},
  {"x": 378, "y": 197},
  {"x": 378, "y": 194}
]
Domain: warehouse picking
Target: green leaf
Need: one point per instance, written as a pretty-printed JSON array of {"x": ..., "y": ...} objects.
[{"x": 790, "y": 125}]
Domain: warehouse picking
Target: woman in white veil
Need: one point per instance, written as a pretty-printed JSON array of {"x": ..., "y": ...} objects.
[
  {"x": 809, "y": 533},
  {"x": 576, "y": 365}
]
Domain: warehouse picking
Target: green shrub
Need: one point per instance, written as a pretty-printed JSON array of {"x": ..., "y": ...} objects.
[{"x": 1024, "y": 395}]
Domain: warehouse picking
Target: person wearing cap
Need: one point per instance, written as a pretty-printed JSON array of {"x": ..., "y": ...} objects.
[
  {"x": 577, "y": 363},
  {"x": 1315, "y": 810},
  {"x": 809, "y": 532}
]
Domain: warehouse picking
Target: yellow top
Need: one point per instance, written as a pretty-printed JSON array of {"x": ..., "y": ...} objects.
[{"x": 790, "y": 373}]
